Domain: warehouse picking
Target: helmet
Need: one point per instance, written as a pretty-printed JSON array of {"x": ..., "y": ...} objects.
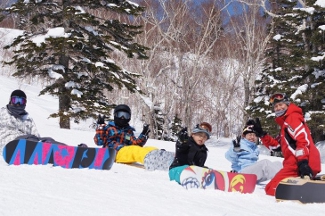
[{"x": 122, "y": 107}]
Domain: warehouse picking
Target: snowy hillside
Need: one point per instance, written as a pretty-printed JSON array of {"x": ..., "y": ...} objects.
[{"x": 124, "y": 190}]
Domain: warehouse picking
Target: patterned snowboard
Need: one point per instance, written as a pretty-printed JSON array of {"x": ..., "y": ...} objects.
[
  {"x": 29, "y": 152},
  {"x": 301, "y": 190},
  {"x": 199, "y": 177}
]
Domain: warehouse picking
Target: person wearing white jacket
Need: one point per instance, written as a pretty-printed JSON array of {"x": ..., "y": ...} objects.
[{"x": 14, "y": 120}]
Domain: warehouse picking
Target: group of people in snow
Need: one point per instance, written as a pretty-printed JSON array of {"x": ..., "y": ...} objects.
[{"x": 301, "y": 157}]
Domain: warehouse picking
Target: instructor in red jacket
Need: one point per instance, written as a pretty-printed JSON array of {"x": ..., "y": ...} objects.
[{"x": 301, "y": 157}]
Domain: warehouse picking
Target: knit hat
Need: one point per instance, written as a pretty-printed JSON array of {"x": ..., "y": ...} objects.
[
  {"x": 203, "y": 127},
  {"x": 18, "y": 93},
  {"x": 248, "y": 129}
]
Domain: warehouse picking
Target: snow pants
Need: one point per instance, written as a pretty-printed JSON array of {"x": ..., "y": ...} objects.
[
  {"x": 133, "y": 154},
  {"x": 263, "y": 169},
  {"x": 282, "y": 174}
]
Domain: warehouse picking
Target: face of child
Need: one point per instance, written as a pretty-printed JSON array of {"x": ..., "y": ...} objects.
[
  {"x": 251, "y": 137},
  {"x": 200, "y": 138}
]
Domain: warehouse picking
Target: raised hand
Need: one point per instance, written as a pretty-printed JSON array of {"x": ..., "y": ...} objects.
[
  {"x": 258, "y": 128},
  {"x": 101, "y": 119},
  {"x": 145, "y": 130},
  {"x": 183, "y": 135}
]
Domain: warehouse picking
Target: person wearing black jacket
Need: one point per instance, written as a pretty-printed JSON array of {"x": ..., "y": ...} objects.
[{"x": 190, "y": 150}]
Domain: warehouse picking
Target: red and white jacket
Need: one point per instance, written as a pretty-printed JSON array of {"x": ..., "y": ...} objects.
[{"x": 296, "y": 141}]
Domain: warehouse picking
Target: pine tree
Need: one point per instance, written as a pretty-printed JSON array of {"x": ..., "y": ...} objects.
[
  {"x": 77, "y": 51},
  {"x": 295, "y": 64}
]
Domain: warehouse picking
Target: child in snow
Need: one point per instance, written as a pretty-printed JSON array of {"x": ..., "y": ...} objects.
[
  {"x": 14, "y": 120},
  {"x": 190, "y": 150},
  {"x": 118, "y": 134},
  {"x": 301, "y": 157},
  {"x": 244, "y": 154}
]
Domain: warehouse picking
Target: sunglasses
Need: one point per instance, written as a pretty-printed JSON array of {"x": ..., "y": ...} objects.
[
  {"x": 277, "y": 98},
  {"x": 123, "y": 114},
  {"x": 18, "y": 100}
]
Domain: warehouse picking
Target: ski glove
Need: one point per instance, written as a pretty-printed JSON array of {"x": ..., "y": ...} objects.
[
  {"x": 145, "y": 130},
  {"x": 182, "y": 135},
  {"x": 101, "y": 119},
  {"x": 236, "y": 143},
  {"x": 258, "y": 128},
  {"x": 304, "y": 169}
]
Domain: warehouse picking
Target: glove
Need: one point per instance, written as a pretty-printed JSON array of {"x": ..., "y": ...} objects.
[
  {"x": 258, "y": 128},
  {"x": 101, "y": 119},
  {"x": 250, "y": 122},
  {"x": 304, "y": 169},
  {"x": 145, "y": 130},
  {"x": 182, "y": 135},
  {"x": 236, "y": 143}
]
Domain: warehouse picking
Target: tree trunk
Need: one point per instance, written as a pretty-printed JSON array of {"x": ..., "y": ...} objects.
[{"x": 64, "y": 98}]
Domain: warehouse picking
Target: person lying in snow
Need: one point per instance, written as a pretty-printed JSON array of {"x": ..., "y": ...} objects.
[
  {"x": 190, "y": 150},
  {"x": 118, "y": 134},
  {"x": 244, "y": 155}
]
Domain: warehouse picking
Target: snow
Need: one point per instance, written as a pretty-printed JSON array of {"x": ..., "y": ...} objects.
[{"x": 123, "y": 190}]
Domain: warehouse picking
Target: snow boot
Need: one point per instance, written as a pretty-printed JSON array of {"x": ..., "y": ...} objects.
[{"x": 159, "y": 159}]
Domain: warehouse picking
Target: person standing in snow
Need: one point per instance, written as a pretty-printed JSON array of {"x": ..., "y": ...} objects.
[
  {"x": 14, "y": 120},
  {"x": 244, "y": 155},
  {"x": 190, "y": 150},
  {"x": 301, "y": 157},
  {"x": 119, "y": 135}
]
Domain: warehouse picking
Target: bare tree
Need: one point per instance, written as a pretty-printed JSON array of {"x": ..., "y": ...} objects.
[{"x": 250, "y": 38}]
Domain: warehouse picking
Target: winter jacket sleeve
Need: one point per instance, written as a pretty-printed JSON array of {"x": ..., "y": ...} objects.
[
  {"x": 270, "y": 142},
  {"x": 182, "y": 147},
  {"x": 233, "y": 158},
  {"x": 100, "y": 137},
  {"x": 297, "y": 131}
]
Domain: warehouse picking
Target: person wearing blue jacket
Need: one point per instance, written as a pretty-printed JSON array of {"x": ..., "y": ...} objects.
[{"x": 244, "y": 155}]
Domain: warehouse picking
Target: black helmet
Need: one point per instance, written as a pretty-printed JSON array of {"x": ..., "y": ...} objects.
[{"x": 123, "y": 107}]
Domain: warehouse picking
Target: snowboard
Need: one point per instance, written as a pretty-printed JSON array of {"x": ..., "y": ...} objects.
[
  {"x": 205, "y": 178},
  {"x": 301, "y": 190},
  {"x": 23, "y": 151}
]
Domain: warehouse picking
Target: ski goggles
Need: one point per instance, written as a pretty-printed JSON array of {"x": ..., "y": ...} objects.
[
  {"x": 205, "y": 127},
  {"x": 18, "y": 100},
  {"x": 123, "y": 114},
  {"x": 277, "y": 98}
]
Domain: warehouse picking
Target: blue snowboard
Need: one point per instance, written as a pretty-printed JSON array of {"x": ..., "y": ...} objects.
[{"x": 29, "y": 152}]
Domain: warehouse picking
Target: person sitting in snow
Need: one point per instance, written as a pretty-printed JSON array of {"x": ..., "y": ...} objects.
[
  {"x": 244, "y": 155},
  {"x": 14, "y": 120},
  {"x": 190, "y": 150},
  {"x": 301, "y": 157},
  {"x": 118, "y": 134}
]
